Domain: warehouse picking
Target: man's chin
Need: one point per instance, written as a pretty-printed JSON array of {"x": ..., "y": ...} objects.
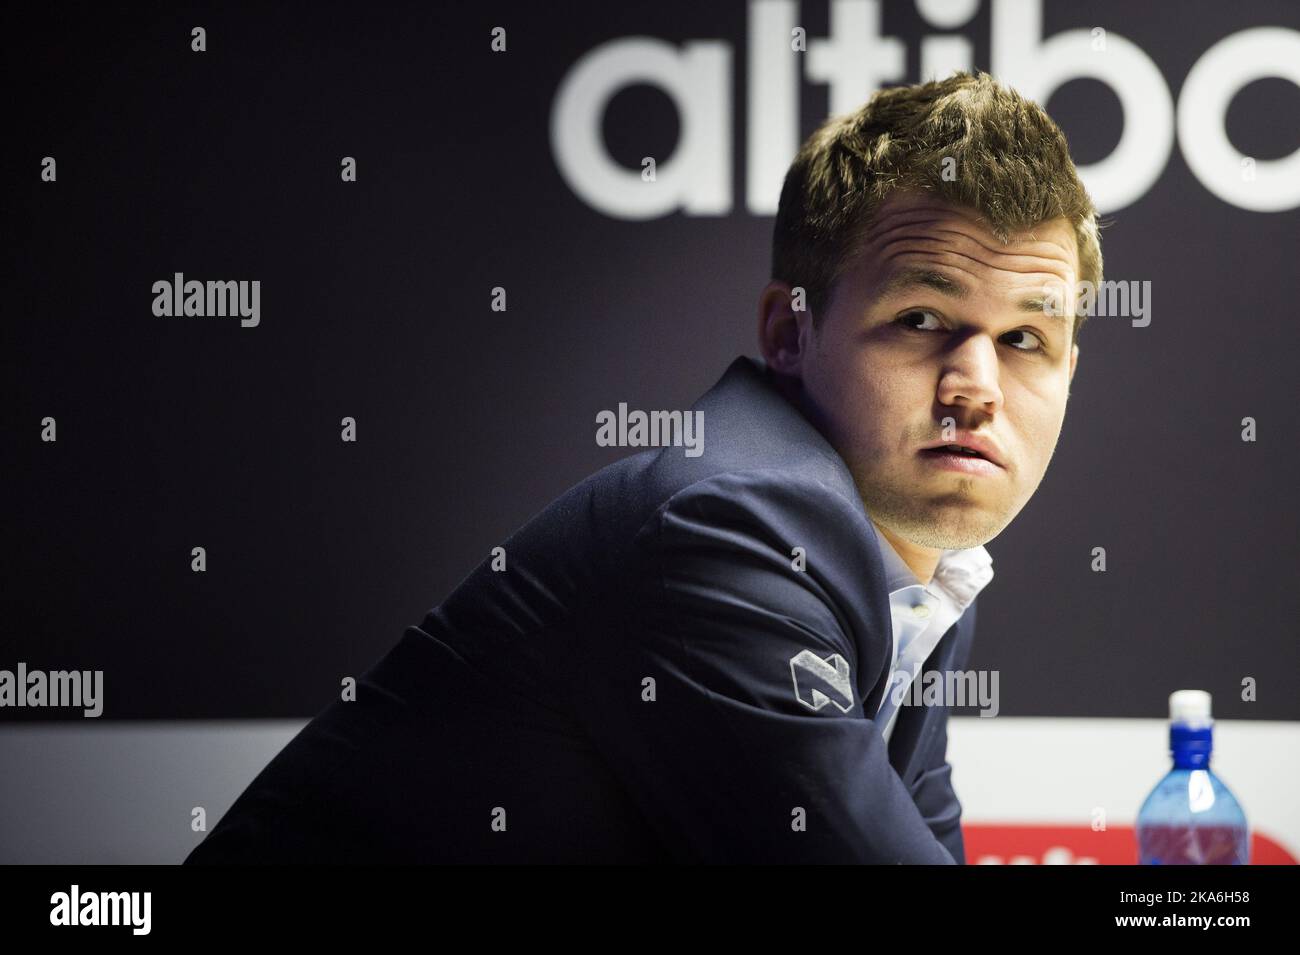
[{"x": 947, "y": 525}]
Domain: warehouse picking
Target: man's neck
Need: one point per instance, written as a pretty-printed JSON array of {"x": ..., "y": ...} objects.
[{"x": 922, "y": 561}]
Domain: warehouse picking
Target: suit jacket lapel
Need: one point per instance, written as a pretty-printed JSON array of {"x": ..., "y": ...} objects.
[{"x": 915, "y": 724}]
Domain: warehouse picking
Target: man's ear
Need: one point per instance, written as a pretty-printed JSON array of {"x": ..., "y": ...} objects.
[
  {"x": 1074, "y": 360},
  {"x": 784, "y": 327}
]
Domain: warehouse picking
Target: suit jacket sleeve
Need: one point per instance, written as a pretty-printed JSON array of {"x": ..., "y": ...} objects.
[{"x": 695, "y": 709}]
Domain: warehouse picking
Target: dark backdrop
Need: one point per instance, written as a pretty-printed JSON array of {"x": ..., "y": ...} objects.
[{"x": 183, "y": 432}]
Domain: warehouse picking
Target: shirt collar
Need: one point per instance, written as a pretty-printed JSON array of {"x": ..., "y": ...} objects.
[{"x": 960, "y": 574}]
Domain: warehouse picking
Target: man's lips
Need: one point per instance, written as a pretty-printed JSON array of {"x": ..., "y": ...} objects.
[
  {"x": 969, "y": 444},
  {"x": 958, "y": 461}
]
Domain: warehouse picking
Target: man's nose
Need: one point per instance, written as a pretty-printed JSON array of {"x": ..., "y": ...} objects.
[{"x": 970, "y": 374}]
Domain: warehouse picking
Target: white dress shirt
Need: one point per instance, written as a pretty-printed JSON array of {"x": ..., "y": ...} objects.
[{"x": 921, "y": 615}]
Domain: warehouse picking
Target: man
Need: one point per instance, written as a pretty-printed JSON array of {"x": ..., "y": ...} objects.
[{"x": 699, "y": 658}]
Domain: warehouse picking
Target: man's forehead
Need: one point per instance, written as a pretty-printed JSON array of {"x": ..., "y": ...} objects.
[{"x": 909, "y": 223}]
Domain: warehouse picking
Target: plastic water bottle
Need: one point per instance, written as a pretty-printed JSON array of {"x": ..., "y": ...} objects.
[{"x": 1191, "y": 818}]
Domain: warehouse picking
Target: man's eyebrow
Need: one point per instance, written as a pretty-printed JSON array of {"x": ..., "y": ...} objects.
[{"x": 909, "y": 278}]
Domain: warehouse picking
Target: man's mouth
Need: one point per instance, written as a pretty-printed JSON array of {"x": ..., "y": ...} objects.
[
  {"x": 968, "y": 446},
  {"x": 957, "y": 449},
  {"x": 961, "y": 458}
]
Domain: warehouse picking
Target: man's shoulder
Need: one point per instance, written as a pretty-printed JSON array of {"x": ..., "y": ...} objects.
[
  {"x": 752, "y": 439},
  {"x": 767, "y": 482}
]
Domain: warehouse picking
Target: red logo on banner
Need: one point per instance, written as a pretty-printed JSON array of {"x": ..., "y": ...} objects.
[{"x": 1079, "y": 845}]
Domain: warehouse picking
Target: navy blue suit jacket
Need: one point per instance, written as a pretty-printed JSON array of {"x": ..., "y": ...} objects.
[{"x": 626, "y": 689}]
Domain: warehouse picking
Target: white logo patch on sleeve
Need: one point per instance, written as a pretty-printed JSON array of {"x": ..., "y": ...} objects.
[{"x": 818, "y": 682}]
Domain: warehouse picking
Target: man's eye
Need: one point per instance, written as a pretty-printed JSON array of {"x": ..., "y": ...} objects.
[
  {"x": 1034, "y": 342},
  {"x": 921, "y": 316},
  {"x": 915, "y": 318}
]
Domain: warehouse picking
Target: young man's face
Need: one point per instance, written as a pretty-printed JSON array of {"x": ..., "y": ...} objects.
[{"x": 936, "y": 319}]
